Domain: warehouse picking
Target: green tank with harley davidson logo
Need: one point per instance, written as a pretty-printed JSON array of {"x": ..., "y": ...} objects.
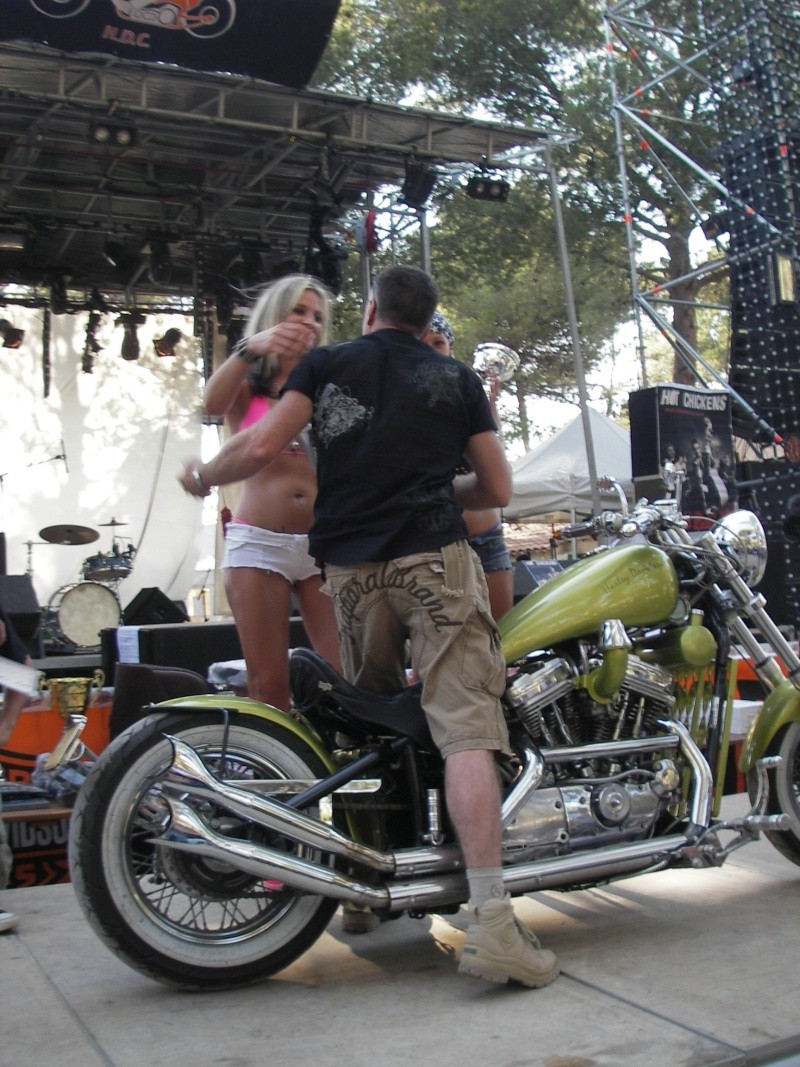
[{"x": 636, "y": 584}]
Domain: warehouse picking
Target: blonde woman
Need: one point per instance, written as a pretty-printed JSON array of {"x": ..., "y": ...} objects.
[{"x": 266, "y": 543}]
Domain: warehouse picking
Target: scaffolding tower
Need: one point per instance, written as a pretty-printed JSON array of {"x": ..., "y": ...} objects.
[{"x": 706, "y": 112}]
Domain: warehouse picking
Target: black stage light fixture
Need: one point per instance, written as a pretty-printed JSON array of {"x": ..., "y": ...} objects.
[
  {"x": 480, "y": 187},
  {"x": 165, "y": 346},
  {"x": 160, "y": 269},
  {"x": 112, "y": 135},
  {"x": 58, "y": 294},
  {"x": 130, "y": 349},
  {"x": 418, "y": 185},
  {"x": 12, "y": 336}
]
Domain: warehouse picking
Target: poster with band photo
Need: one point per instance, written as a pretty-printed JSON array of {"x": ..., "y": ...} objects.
[{"x": 686, "y": 430}]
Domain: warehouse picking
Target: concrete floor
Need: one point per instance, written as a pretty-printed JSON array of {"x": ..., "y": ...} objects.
[{"x": 682, "y": 968}]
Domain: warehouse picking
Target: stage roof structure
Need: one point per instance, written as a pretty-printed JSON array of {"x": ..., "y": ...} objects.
[{"x": 211, "y": 174}]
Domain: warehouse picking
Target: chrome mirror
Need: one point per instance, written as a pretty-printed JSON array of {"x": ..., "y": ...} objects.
[{"x": 493, "y": 360}]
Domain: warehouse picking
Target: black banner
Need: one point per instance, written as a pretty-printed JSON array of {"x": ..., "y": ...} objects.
[{"x": 278, "y": 41}]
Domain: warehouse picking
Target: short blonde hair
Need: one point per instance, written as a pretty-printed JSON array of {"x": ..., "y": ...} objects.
[{"x": 275, "y": 303}]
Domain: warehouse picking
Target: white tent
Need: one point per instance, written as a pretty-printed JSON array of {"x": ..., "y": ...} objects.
[{"x": 553, "y": 478}]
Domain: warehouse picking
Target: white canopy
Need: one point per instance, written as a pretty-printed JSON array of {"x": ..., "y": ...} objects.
[{"x": 552, "y": 479}]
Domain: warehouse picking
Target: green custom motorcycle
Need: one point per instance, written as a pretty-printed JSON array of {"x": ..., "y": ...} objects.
[{"x": 212, "y": 841}]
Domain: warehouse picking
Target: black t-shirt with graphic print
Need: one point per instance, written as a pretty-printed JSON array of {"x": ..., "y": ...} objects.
[{"x": 392, "y": 418}]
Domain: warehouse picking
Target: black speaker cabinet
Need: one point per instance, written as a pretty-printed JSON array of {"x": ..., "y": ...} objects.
[
  {"x": 150, "y": 607},
  {"x": 19, "y": 601}
]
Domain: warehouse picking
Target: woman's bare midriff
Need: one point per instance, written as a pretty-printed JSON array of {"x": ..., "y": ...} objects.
[
  {"x": 281, "y": 497},
  {"x": 480, "y": 522}
]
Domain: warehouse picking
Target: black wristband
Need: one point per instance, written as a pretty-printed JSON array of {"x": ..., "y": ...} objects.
[{"x": 241, "y": 352}]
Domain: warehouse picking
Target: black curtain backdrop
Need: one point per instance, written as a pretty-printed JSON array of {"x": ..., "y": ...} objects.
[{"x": 278, "y": 41}]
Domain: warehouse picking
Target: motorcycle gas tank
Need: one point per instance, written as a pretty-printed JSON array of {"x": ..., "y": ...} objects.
[{"x": 636, "y": 584}]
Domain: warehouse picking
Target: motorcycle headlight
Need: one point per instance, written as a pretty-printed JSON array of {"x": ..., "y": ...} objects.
[{"x": 743, "y": 535}]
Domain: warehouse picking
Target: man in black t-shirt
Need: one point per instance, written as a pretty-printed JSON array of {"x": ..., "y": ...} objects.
[{"x": 393, "y": 420}]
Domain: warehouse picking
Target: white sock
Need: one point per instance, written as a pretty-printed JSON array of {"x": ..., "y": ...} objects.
[{"x": 485, "y": 883}]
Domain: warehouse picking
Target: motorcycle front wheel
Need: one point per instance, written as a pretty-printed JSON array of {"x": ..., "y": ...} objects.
[
  {"x": 784, "y": 792},
  {"x": 176, "y": 916}
]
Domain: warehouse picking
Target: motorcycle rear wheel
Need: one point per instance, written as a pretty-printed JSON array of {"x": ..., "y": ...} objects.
[
  {"x": 784, "y": 792},
  {"x": 174, "y": 916}
]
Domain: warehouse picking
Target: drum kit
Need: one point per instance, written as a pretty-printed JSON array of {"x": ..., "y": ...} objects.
[{"x": 76, "y": 613}]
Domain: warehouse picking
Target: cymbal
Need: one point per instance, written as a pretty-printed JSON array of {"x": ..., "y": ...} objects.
[
  {"x": 113, "y": 523},
  {"x": 69, "y": 535}
]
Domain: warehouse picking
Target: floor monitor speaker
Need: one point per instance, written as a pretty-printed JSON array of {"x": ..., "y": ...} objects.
[{"x": 150, "y": 606}]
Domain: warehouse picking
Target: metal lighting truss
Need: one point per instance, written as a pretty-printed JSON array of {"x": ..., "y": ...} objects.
[{"x": 694, "y": 84}]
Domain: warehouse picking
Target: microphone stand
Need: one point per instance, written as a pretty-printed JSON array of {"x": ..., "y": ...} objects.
[{"x": 3, "y": 475}]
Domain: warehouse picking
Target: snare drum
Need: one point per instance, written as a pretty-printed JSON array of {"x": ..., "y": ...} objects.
[
  {"x": 82, "y": 610},
  {"x": 110, "y": 568}
]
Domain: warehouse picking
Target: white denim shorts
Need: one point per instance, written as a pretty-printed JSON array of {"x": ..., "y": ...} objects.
[{"x": 267, "y": 550}]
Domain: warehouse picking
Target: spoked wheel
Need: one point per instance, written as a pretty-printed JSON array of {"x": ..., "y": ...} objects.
[
  {"x": 178, "y": 916},
  {"x": 784, "y": 792}
]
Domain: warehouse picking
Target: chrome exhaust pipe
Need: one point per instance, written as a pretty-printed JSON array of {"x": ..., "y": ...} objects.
[
  {"x": 187, "y": 832},
  {"x": 189, "y": 775}
]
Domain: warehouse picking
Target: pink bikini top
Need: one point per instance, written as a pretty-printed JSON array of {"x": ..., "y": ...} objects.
[{"x": 256, "y": 409}]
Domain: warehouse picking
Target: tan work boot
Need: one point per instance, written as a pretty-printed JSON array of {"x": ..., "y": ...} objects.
[{"x": 499, "y": 948}]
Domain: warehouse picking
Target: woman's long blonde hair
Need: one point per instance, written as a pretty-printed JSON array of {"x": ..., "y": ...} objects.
[{"x": 275, "y": 303}]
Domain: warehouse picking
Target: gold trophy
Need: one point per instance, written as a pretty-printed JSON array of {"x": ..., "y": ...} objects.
[{"x": 71, "y": 696}]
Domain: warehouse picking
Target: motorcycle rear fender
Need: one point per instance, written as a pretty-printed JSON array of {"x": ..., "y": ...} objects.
[
  {"x": 781, "y": 708},
  {"x": 240, "y": 705}
]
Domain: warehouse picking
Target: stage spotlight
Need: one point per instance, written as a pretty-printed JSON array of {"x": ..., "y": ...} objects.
[
  {"x": 12, "y": 337},
  {"x": 58, "y": 295},
  {"x": 112, "y": 135},
  {"x": 130, "y": 341},
  {"x": 165, "y": 346},
  {"x": 418, "y": 185},
  {"x": 160, "y": 269},
  {"x": 482, "y": 188}
]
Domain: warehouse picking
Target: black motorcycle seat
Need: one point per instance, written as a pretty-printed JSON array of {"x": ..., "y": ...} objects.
[{"x": 314, "y": 683}]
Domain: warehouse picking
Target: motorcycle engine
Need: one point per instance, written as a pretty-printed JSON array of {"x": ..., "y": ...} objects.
[
  {"x": 588, "y": 801},
  {"x": 555, "y": 710}
]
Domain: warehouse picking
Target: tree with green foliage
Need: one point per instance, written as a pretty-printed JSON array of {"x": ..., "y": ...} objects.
[{"x": 544, "y": 63}]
